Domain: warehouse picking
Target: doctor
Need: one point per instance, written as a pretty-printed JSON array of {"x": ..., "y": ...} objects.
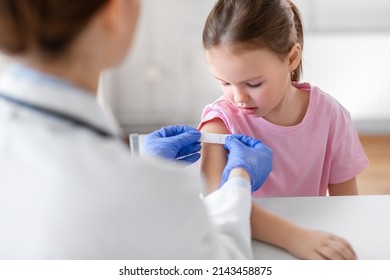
[{"x": 69, "y": 188}]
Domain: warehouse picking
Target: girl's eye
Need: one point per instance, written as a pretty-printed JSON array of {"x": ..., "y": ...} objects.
[
  {"x": 254, "y": 86},
  {"x": 225, "y": 84}
]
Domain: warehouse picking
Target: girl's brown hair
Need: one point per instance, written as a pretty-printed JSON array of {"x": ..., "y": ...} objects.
[
  {"x": 272, "y": 24},
  {"x": 48, "y": 26}
]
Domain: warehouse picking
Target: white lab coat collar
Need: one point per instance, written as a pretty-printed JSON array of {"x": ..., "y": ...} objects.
[{"x": 37, "y": 88}]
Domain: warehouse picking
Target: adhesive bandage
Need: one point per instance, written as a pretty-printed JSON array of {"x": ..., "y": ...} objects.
[{"x": 214, "y": 138}]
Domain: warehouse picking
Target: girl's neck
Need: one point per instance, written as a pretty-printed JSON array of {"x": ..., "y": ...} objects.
[{"x": 292, "y": 108}]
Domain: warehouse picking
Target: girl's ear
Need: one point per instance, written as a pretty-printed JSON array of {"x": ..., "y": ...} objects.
[{"x": 294, "y": 56}]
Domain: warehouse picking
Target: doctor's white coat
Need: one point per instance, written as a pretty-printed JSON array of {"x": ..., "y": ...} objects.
[{"x": 68, "y": 193}]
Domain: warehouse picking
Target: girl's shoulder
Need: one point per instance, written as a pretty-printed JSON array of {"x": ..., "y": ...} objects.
[
  {"x": 226, "y": 111},
  {"x": 221, "y": 106},
  {"x": 222, "y": 103},
  {"x": 319, "y": 98}
]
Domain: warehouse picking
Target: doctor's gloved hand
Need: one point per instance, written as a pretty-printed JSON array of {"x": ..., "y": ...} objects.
[
  {"x": 252, "y": 155},
  {"x": 176, "y": 142}
]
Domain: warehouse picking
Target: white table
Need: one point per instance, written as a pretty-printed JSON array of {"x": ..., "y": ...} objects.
[{"x": 362, "y": 220}]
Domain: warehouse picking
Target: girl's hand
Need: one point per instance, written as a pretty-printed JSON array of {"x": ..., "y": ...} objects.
[{"x": 319, "y": 245}]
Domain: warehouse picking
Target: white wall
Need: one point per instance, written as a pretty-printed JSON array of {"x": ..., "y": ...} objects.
[
  {"x": 165, "y": 79},
  {"x": 345, "y": 15}
]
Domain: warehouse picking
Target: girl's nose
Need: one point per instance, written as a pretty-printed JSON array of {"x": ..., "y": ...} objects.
[{"x": 240, "y": 96}]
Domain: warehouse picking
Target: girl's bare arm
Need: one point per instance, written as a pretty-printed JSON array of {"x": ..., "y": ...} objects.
[
  {"x": 346, "y": 188},
  {"x": 267, "y": 227}
]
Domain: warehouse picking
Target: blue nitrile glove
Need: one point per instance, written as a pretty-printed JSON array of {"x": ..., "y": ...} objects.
[
  {"x": 176, "y": 142},
  {"x": 252, "y": 155}
]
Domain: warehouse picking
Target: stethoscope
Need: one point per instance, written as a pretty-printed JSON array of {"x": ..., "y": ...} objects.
[{"x": 57, "y": 114}]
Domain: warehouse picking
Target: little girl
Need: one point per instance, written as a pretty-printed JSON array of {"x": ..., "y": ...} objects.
[{"x": 253, "y": 49}]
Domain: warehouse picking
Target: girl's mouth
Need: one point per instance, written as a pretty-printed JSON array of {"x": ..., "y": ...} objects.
[{"x": 248, "y": 110}]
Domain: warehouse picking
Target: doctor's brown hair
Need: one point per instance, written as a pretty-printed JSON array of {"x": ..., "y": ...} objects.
[
  {"x": 253, "y": 24},
  {"x": 46, "y": 26}
]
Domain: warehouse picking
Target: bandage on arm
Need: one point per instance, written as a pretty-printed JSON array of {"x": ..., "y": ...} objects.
[{"x": 213, "y": 138}]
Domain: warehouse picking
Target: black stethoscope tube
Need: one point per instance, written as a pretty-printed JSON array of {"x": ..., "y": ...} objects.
[{"x": 56, "y": 114}]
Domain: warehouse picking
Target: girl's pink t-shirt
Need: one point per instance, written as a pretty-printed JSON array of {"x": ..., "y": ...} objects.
[{"x": 323, "y": 149}]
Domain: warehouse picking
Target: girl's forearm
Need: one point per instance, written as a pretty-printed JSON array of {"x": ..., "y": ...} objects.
[{"x": 272, "y": 229}]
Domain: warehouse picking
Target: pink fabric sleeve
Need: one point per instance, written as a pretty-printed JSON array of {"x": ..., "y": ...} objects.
[
  {"x": 348, "y": 156},
  {"x": 209, "y": 113}
]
